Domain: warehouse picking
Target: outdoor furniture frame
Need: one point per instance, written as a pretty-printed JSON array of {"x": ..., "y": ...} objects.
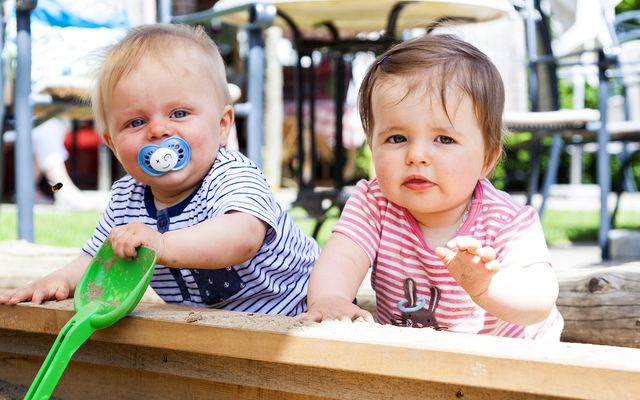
[
  {"x": 590, "y": 124},
  {"x": 29, "y": 110}
]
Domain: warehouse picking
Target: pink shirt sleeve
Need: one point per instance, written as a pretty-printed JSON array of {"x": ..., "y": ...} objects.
[
  {"x": 360, "y": 218},
  {"x": 521, "y": 242}
]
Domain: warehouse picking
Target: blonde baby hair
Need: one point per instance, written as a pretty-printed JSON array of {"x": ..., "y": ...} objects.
[{"x": 156, "y": 40}]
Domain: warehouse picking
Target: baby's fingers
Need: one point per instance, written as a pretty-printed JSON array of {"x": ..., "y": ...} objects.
[
  {"x": 466, "y": 243},
  {"x": 445, "y": 254},
  {"x": 61, "y": 293},
  {"x": 492, "y": 266},
  {"x": 19, "y": 295},
  {"x": 486, "y": 254},
  {"x": 130, "y": 251},
  {"x": 40, "y": 295},
  {"x": 5, "y": 297},
  {"x": 314, "y": 316},
  {"x": 364, "y": 314},
  {"x": 124, "y": 249}
]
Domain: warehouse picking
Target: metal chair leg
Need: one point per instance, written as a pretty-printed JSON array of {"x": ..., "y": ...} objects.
[
  {"x": 552, "y": 170},
  {"x": 534, "y": 169}
]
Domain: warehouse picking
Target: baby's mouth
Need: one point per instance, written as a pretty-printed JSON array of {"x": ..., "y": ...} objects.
[
  {"x": 417, "y": 182},
  {"x": 416, "y": 179}
]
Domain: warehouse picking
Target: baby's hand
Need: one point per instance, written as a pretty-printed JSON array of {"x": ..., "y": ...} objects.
[
  {"x": 126, "y": 239},
  {"x": 53, "y": 286},
  {"x": 334, "y": 308},
  {"x": 472, "y": 266}
]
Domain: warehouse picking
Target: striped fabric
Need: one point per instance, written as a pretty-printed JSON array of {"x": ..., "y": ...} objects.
[
  {"x": 392, "y": 239},
  {"x": 272, "y": 282}
]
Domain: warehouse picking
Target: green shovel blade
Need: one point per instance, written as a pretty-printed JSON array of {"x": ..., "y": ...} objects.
[
  {"x": 117, "y": 284},
  {"x": 110, "y": 289}
]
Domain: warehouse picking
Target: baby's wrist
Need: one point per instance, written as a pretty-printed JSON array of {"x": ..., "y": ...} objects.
[
  {"x": 479, "y": 294},
  {"x": 332, "y": 300},
  {"x": 162, "y": 247}
]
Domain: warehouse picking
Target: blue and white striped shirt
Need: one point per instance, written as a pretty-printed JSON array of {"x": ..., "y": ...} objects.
[{"x": 274, "y": 281}]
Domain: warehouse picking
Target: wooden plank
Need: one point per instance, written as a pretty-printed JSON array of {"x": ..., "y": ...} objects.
[
  {"x": 601, "y": 305},
  {"x": 482, "y": 364},
  {"x": 136, "y": 372},
  {"x": 95, "y": 381}
]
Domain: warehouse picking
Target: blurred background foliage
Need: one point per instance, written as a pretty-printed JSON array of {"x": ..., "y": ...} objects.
[{"x": 627, "y": 5}]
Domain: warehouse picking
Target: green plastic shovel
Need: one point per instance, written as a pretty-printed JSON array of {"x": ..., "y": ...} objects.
[{"x": 110, "y": 289}]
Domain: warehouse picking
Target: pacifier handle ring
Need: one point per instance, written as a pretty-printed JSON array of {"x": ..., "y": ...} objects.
[{"x": 420, "y": 303}]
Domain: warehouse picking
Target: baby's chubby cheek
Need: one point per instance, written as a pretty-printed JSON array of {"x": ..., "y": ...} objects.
[{"x": 128, "y": 158}]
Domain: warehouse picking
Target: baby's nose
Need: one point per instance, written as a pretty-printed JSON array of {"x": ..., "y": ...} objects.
[
  {"x": 417, "y": 156},
  {"x": 159, "y": 130}
]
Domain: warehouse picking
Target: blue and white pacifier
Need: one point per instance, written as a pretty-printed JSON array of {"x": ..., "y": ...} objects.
[{"x": 172, "y": 154}]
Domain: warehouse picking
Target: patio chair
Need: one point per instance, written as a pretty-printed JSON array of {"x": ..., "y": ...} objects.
[
  {"x": 546, "y": 119},
  {"x": 625, "y": 119}
]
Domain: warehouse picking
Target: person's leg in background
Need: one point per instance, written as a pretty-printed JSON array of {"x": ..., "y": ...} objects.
[{"x": 50, "y": 156}]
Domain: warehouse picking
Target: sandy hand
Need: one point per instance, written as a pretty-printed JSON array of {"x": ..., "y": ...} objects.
[
  {"x": 470, "y": 264},
  {"x": 54, "y": 286},
  {"x": 126, "y": 239},
  {"x": 334, "y": 308}
]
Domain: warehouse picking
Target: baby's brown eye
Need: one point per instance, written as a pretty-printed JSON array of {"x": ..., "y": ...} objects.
[
  {"x": 445, "y": 139},
  {"x": 396, "y": 139}
]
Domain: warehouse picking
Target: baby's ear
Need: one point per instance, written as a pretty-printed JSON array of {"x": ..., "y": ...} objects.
[
  {"x": 109, "y": 142},
  {"x": 226, "y": 123},
  {"x": 490, "y": 164}
]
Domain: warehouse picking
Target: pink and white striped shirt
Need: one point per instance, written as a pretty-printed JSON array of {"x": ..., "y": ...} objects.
[{"x": 392, "y": 240}]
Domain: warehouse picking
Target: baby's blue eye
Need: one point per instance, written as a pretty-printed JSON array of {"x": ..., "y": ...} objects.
[
  {"x": 396, "y": 139},
  {"x": 180, "y": 114},
  {"x": 445, "y": 139},
  {"x": 136, "y": 123}
]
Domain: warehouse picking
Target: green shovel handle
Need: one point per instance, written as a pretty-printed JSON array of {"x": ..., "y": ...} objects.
[
  {"x": 74, "y": 333},
  {"x": 109, "y": 289}
]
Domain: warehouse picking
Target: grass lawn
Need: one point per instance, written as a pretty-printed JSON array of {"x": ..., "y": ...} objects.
[
  {"x": 52, "y": 227},
  {"x": 581, "y": 226},
  {"x": 72, "y": 229}
]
